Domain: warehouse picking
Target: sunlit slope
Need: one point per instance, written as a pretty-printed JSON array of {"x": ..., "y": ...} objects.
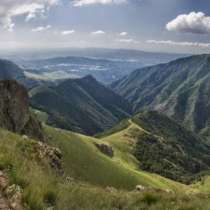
[
  {"x": 83, "y": 161},
  {"x": 155, "y": 143},
  {"x": 43, "y": 188}
]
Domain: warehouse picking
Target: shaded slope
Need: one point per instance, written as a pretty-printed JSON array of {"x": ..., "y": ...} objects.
[
  {"x": 81, "y": 105},
  {"x": 179, "y": 89},
  {"x": 162, "y": 146},
  {"x": 11, "y": 71}
]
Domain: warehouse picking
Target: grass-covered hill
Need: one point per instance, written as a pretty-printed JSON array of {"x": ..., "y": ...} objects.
[
  {"x": 90, "y": 180},
  {"x": 82, "y": 105},
  {"x": 69, "y": 171},
  {"x": 179, "y": 89},
  {"x": 156, "y": 143}
]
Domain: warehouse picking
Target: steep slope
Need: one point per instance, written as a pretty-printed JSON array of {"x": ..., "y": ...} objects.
[
  {"x": 84, "y": 186},
  {"x": 69, "y": 171},
  {"x": 155, "y": 143},
  {"x": 82, "y": 105},
  {"x": 14, "y": 110},
  {"x": 179, "y": 89}
]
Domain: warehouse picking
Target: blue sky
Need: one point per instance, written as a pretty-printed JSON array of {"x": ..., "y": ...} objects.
[{"x": 153, "y": 25}]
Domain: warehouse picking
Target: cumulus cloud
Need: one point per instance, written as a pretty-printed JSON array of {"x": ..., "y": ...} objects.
[
  {"x": 68, "y": 32},
  {"x": 99, "y": 32},
  {"x": 198, "y": 23},
  {"x": 179, "y": 44},
  {"x": 9, "y": 9},
  {"x": 123, "y": 33},
  {"x": 41, "y": 28},
  {"x": 79, "y": 3}
]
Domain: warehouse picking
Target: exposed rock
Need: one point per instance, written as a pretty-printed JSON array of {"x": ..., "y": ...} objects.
[
  {"x": 10, "y": 195},
  {"x": 69, "y": 179},
  {"x": 4, "y": 182},
  {"x": 14, "y": 193},
  {"x": 106, "y": 149},
  {"x": 111, "y": 189},
  {"x": 14, "y": 110},
  {"x": 140, "y": 188},
  {"x": 52, "y": 154}
]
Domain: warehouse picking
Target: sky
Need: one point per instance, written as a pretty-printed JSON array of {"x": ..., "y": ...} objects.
[{"x": 181, "y": 26}]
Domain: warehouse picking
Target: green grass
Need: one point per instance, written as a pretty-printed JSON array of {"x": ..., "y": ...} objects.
[
  {"x": 84, "y": 162},
  {"x": 92, "y": 171}
]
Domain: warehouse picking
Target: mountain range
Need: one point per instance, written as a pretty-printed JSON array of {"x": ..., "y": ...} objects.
[
  {"x": 82, "y": 105},
  {"x": 179, "y": 89},
  {"x": 11, "y": 71},
  {"x": 139, "y": 153},
  {"x": 106, "y": 65}
]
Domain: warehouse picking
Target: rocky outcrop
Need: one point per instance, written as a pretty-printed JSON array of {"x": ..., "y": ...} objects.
[
  {"x": 10, "y": 195},
  {"x": 14, "y": 110},
  {"x": 105, "y": 149},
  {"x": 52, "y": 154}
]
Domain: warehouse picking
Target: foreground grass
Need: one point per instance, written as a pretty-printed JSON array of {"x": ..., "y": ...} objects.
[{"x": 42, "y": 188}]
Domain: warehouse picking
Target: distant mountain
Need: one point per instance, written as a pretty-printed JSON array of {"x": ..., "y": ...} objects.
[
  {"x": 104, "y": 70},
  {"x": 106, "y": 65},
  {"x": 161, "y": 146},
  {"x": 146, "y": 58},
  {"x": 11, "y": 71},
  {"x": 180, "y": 89},
  {"x": 82, "y": 105}
]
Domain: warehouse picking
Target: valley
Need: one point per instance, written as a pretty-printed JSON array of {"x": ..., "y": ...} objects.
[{"x": 78, "y": 139}]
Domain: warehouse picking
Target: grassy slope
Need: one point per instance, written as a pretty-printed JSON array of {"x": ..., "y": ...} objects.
[
  {"x": 85, "y": 162},
  {"x": 123, "y": 146},
  {"x": 39, "y": 181}
]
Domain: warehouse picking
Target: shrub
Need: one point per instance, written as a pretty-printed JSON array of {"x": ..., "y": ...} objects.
[
  {"x": 50, "y": 198},
  {"x": 150, "y": 198}
]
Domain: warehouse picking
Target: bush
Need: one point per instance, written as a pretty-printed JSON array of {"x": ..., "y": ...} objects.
[
  {"x": 50, "y": 198},
  {"x": 150, "y": 198}
]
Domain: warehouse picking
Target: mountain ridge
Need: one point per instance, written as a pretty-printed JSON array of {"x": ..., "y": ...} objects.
[
  {"x": 178, "y": 89},
  {"x": 87, "y": 106}
]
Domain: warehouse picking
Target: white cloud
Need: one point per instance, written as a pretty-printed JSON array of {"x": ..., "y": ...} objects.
[
  {"x": 41, "y": 28},
  {"x": 179, "y": 44},
  {"x": 79, "y": 3},
  {"x": 68, "y": 32},
  {"x": 128, "y": 41},
  {"x": 99, "y": 32},
  {"x": 9, "y": 9},
  {"x": 197, "y": 23},
  {"x": 123, "y": 33}
]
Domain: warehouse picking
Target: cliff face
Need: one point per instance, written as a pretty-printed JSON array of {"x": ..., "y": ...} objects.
[{"x": 14, "y": 110}]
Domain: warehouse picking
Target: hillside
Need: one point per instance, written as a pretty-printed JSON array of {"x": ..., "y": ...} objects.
[
  {"x": 82, "y": 105},
  {"x": 72, "y": 171},
  {"x": 11, "y": 71},
  {"x": 157, "y": 144},
  {"x": 179, "y": 89},
  {"x": 89, "y": 180}
]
